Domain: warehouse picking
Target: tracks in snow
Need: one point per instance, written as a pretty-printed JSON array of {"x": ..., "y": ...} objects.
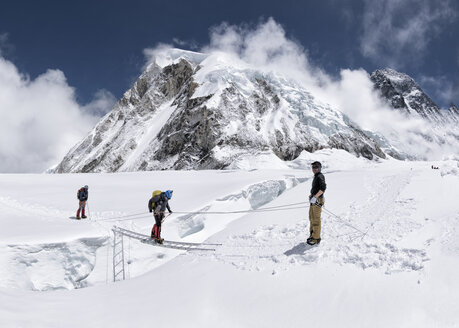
[{"x": 384, "y": 215}]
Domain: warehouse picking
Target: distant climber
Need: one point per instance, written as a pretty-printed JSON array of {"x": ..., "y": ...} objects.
[
  {"x": 158, "y": 204},
  {"x": 82, "y": 196},
  {"x": 316, "y": 201}
]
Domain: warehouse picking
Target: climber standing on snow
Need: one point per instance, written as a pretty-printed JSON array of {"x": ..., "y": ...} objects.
[
  {"x": 316, "y": 201},
  {"x": 82, "y": 196},
  {"x": 158, "y": 204}
]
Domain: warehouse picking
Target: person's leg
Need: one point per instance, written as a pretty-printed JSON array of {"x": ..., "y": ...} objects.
[
  {"x": 316, "y": 222},
  {"x": 83, "y": 205},
  {"x": 157, "y": 226},
  {"x": 310, "y": 220},
  {"x": 158, "y": 223},
  {"x": 80, "y": 207}
]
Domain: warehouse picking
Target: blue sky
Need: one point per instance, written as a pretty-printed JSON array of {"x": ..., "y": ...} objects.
[
  {"x": 64, "y": 64},
  {"x": 99, "y": 44}
]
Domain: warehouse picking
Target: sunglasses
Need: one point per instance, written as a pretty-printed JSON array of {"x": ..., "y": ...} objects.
[{"x": 315, "y": 167}]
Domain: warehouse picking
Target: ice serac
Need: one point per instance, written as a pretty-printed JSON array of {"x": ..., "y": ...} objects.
[{"x": 195, "y": 111}]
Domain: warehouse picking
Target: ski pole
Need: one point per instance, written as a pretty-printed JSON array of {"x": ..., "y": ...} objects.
[{"x": 165, "y": 217}]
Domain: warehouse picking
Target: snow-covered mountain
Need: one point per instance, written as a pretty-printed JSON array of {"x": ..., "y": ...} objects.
[
  {"x": 404, "y": 94},
  {"x": 196, "y": 111}
]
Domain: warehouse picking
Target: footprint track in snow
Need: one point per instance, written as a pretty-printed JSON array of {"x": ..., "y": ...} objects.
[{"x": 277, "y": 248}]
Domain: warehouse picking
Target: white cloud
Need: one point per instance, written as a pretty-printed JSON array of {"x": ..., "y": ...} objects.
[
  {"x": 5, "y": 46},
  {"x": 192, "y": 45},
  {"x": 41, "y": 119},
  {"x": 397, "y": 32},
  {"x": 103, "y": 101},
  {"x": 267, "y": 48}
]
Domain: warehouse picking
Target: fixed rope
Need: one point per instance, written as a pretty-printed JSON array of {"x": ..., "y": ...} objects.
[
  {"x": 265, "y": 209},
  {"x": 285, "y": 207}
]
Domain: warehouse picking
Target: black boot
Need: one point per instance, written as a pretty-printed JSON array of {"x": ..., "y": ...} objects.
[{"x": 312, "y": 241}]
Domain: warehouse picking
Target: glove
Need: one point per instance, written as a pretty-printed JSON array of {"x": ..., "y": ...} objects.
[
  {"x": 170, "y": 212},
  {"x": 313, "y": 200}
]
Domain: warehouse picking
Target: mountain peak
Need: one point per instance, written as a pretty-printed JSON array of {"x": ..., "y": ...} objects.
[
  {"x": 210, "y": 116},
  {"x": 393, "y": 75},
  {"x": 403, "y": 93},
  {"x": 167, "y": 56}
]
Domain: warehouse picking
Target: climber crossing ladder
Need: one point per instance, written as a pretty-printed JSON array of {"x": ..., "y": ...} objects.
[{"x": 118, "y": 248}]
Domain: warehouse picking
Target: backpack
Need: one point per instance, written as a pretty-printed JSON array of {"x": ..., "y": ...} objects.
[
  {"x": 156, "y": 193},
  {"x": 155, "y": 196}
]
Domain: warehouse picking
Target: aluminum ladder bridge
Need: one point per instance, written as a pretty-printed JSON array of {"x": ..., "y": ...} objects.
[{"x": 118, "y": 248}]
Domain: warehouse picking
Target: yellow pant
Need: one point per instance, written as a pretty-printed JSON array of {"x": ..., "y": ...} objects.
[{"x": 314, "y": 219}]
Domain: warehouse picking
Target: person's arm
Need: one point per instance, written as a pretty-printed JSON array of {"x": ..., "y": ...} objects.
[
  {"x": 168, "y": 207},
  {"x": 163, "y": 202},
  {"x": 150, "y": 203},
  {"x": 319, "y": 193},
  {"x": 322, "y": 186}
]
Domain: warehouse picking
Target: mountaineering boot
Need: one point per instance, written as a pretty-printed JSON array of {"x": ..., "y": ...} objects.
[
  {"x": 312, "y": 241},
  {"x": 78, "y": 215},
  {"x": 83, "y": 216},
  {"x": 159, "y": 240}
]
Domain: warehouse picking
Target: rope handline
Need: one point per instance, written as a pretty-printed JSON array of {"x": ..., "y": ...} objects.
[
  {"x": 202, "y": 212},
  {"x": 342, "y": 220},
  {"x": 265, "y": 209},
  {"x": 286, "y": 207}
]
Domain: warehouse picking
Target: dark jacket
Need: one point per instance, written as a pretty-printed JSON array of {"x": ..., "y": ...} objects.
[
  {"x": 159, "y": 203},
  {"x": 82, "y": 194},
  {"x": 318, "y": 184}
]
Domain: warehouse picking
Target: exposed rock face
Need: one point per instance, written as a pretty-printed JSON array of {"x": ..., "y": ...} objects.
[
  {"x": 205, "y": 114},
  {"x": 453, "y": 113},
  {"x": 403, "y": 93}
]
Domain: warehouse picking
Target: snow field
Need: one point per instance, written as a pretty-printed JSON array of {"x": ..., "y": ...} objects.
[
  {"x": 50, "y": 250},
  {"x": 390, "y": 256}
]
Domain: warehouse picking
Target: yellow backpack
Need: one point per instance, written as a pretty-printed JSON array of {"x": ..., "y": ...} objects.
[{"x": 156, "y": 193}]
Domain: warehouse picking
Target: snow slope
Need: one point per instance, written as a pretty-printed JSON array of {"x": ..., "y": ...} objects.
[{"x": 389, "y": 257}]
